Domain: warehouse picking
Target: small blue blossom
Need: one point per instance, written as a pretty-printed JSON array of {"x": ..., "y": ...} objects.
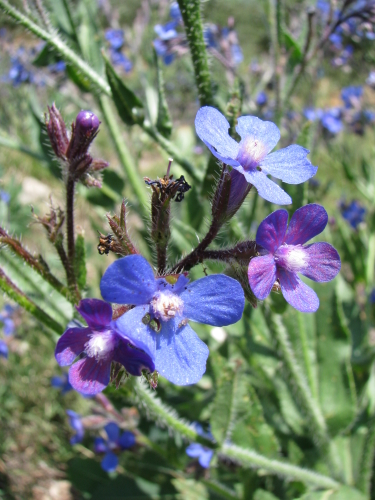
[
  {"x": 261, "y": 99},
  {"x": 159, "y": 322},
  {"x": 4, "y": 196},
  {"x": 164, "y": 44},
  {"x": 175, "y": 13},
  {"x": 62, "y": 383},
  {"x": 197, "y": 450},
  {"x": 6, "y": 318},
  {"x": 75, "y": 422},
  {"x": 331, "y": 120},
  {"x": 251, "y": 156},
  {"x": 115, "y": 38},
  {"x": 354, "y": 213},
  {"x": 312, "y": 114},
  {"x": 210, "y": 35},
  {"x": 102, "y": 344},
  {"x": 283, "y": 255},
  {"x": 351, "y": 96},
  {"x": 57, "y": 67},
  {"x": 113, "y": 443},
  {"x": 119, "y": 59},
  {"x": 3, "y": 349}
]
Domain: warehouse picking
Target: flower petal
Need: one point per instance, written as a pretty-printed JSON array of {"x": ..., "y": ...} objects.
[
  {"x": 205, "y": 458},
  {"x": 129, "y": 280},
  {"x": 266, "y": 188},
  {"x": 95, "y": 312},
  {"x": 265, "y": 132},
  {"x": 212, "y": 128},
  {"x": 88, "y": 376},
  {"x": 271, "y": 230},
  {"x": 289, "y": 164},
  {"x": 131, "y": 327},
  {"x": 71, "y": 344},
  {"x": 306, "y": 222},
  {"x": 214, "y": 300},
  {"x": 132, "y": 358},
  {"x": 127, "y": 440},
  {"x": 109, "y": 462},
  {"x": 296, "y": 292},
  {"x": 3, "y": 349},
  {"x": 100, "y": 445},
  {"x": 113, "y": 431},
  {"x": 180, "y": 355},
  {"x": 323, "y": 262},
  {"x": 194, "y": 450},
  {"x": 262, "y": 275}
]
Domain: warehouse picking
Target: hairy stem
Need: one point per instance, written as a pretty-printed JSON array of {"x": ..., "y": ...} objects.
[
  {"x": 8, "y": 287},
  {"x": 70, "y": 187},
  {"x": 190, "y": 11},
  {"x": 367, "y": 461}
]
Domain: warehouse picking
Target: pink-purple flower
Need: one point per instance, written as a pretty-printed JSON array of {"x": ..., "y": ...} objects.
[
  {"x": 283, "y": 255},
  {"x": 159, "y": 322},
  {"x": 101, "y": 343},
  {"x": 251, "y": 157}
]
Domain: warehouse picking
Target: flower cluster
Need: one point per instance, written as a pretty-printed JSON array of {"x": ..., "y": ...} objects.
[
  {"x": 114, "y": 442},
  {"x": 116, "y": 40},
  {"x": 170, "y": 42},
  {"x": 223, "y": 42}
]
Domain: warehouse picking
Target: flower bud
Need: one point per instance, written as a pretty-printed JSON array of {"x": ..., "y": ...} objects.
[
  {"x": 230, "y": 193},
  {"x": 84, "y": 131},
  {"x": 57, "y": 132}
]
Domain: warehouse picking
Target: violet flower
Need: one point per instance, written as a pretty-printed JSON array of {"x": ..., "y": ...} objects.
[
  {"x": 3, "y": 349},
  {"x": 159, "y": 322},
  {"x": 113, "y": 443},
  {"x": 62, "y": 383},
  {"x": 354, "y": 213},
  {"x": 251, "y": 156},
  {"x": 101, "y": 344},
  {"x": 197, "y": 450},
  {"x": 283, "y": 256},
  {"x": 75, "y": 422}
]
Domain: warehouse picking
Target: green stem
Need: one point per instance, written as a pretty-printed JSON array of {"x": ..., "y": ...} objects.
[
  {"x": 306, "y": 356},
  {"x": 8, "y": 287},
  {"x": 254, "y": 460},
  {"x": 302, "y": 389},
  {"x": 219, "y": 489},
  {"x": 126, "y": 159},
  {"x": 162, "y": 414},
  {"x": 370, "y": 264},
  {"x": 367, "y": 462},
  {"x": 274, "y": 21},
  {"x": 191, "y": 15}
]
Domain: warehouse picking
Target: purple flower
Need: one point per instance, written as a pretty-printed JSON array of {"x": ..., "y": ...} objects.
[
  {"x": 119, "y": 59},
  {"x": 75, "y": 422},
  {"x": 283, "y": 256},
  {"x": 163, "y": 307},
  {"x": 115, "y": 38},
  {"x": 261, "y": 98},
  {"x": 197, "y": 450},
  {"x": 174, "y": 12},
  {"x": 101, "y": 344},
  {"x": 312, "y": 114},
  {"x": 354, "y": 213},
  {"x": 331, "y": 120},
  {"x": 6, "y": 318},
  {"x": 351, "y": 96},
  {"x": 251, "y": 156},
  {"x": 114, "y": 442},
  {"x": 62, "y": 383},
  {"x": 3, "y": 349}
]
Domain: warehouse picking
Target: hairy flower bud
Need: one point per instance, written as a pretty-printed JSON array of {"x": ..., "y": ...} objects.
[
  {"x": 230, "y": 194},
  {"x": 57, "y": 132},
  {"x": 84, "y": 131}
]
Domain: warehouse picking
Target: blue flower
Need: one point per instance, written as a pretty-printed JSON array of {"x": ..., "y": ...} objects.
[
  {"x": 331, "y": 120},
  {"x": 101, "y": 344},
  {"x": 115, "y": 38},
  {"x": 197, "y": 450},
  {"x": 210, "y": 34},
  {"x": 114, "y": 442},
  {"x": 251, "y": 156},
  {"x": 6, "y": 318},
  {"x": 119, "y": 59},
  {"x": 354, "y": 213},
  {"x": 351, "y": 95},
  {"x": 312, "y": 114},
  {"x": 159, "y": 322},
  {"x": 261, "y": 98},
  {"x": 57, "y": 67},
  {"x": 62, "y": 383},
  {"x": 174, "y": 12},
  {"x": 75, "y": 422},
  {"x": 4, "y": 196},
  {"x": 3, "y": 349}
]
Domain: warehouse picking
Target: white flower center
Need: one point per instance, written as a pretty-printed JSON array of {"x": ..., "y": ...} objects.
[
  {"x": 100, "y": 345},
  {"x": 292, "y": 258},
  {"x": 251, "y": 152},
  {"x": 165, "y": 305}
]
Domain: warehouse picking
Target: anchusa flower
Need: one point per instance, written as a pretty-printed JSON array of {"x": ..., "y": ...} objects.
[
  {"x": 282, "y": 256},
  {"x": 353, "y": 212},
  {"x": 352, "y": 96},
  {"x": 101, "y": 343},
  {"x": 251, "y": 156},
  {"x": 75, "y": 422},
  {"x": 62, "y": 383},
  {"x": 199, "y": 451},
  {"x": 116, "y": 40},
  {"x": 114, "y": 442},
  {"x": 3, "y": 349},
  {"x": 331, "y": 120},
  {"x": 261, "y": 99},
  {"x": 6, "y": 318},
  {"x": 164, "y": 305}
]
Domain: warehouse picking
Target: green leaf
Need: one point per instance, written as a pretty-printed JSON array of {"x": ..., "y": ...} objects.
[
  {"x": 295, "y": 51},
  {"x": 343, "y": 493},
  {"x": 88, "y": 30},
  {"x": 80, "y": 262},
  {"x": 238, "y": 416},
  {"x": 263, "y": 495},
  {"x": 82, "y": 82},
  {"x": 129, "y": 106},
  {"x": 164, "y": 121}
]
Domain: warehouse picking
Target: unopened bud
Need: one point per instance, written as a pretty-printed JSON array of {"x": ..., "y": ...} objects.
[
  {"x": 230, "y": 194},
  {"x": 84, "y": 131},
  {"x": 57, "y": 132}
]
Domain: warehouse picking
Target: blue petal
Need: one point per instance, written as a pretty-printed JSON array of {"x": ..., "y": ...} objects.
[
  {"x": 9, "y": 326},
  {"x": 205, "y": 458},
  {"x": 214, "y": 300},
  {"x": 212, "y": 128},
  {"x": 289, "y": 164},
  {"x": 265, "y": 132},
  {"x": 113, "y": 431},
  {"x": 194, "y": 450},
  {"x": 127, "y": 440},
  {"x": 306, "y": 222},
  {"x": 95, "y": 312},
  {"x": 129, "y": 280},
  {"x": 100, "y": 445},
  {"x": 323, "y": 262},
  {"x": 271, "y": 231},
  {"x": 266, "y": 188},
  {"x": 129, "y": 354},
  {"x": 296, "y": 292},
  {"x": 109, "y": 462},
  {"x": 180, "y": 356},
  {"x": 3, "y": 349},
  {"x": 130, "y": 326},
  {"x": 262, "y": 275}
]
